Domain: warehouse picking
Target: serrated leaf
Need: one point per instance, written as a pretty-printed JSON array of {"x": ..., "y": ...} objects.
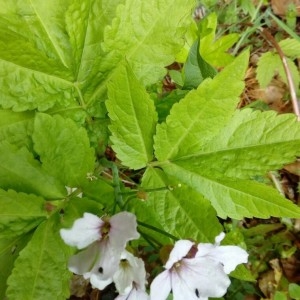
[
  {"x": 85, "y": 24},
  {"x": 270, "y": 65},
  {"x": 290, "y": 47},
  {"x": 181, "y": 211},
  {"x": 21, "y": 172},
  {"x": 20, "y": 213},
  {"x": 252, "y": 144},
  {"x": 143, "y": 32},
  {"x": 9, "y": 251},
  {"x": 202, "y": 113},
  {"x": 16, "y": 127},
  {"x": 54, "y": 58},
  {"x": 215, "y": 51},
  {"x": 128, "y": 104},
  {"x": 235, "y": 198},
  {"x": 63, "y": 148},
  {"x": 40, "y": 271},
  {"x": 39, "y": 76}
]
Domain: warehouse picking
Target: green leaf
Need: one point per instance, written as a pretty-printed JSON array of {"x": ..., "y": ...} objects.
[
  {"x": 85, "y": 24},
  {"x": 9, "y": 251},
  {"x": 164, "y": 105},
  {"x": 150, "y": 36},
  {"x": 196, "y": 69},
  {"x": 294, "y": 291},
  {"x": 238, "y": 153},
  {"x": 63, "y": 148},
  {"x": 290, "y": 47},
  {"x": 128, "y": 104},
  {"x": 181, "y": 211},
  {"x": 40, "y": 271},
  {"x": 20, "y": 213},
  {"x": 235, "y": 198},
  {"x": 21, "y": 172},
  {"x": 54, "y": 58},
  {"x": 34, "y": 55},
  {"x": 242, "y": 273},
  {"x": 211, "y": 50},
  {"x": 202, "y": 113},
  {"x": 16, "y": 127},
  {"x": 270, "y": 65}
]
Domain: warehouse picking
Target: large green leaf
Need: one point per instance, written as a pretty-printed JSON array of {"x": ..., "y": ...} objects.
[
  {"x": 40, "y": 271},
  {"x": 16, "y": 127},
  {"x": 34, "y": 55},
  {"x": 128, "y": 105},
  {"x": 63, "y": 148},
  {"x": 202, "y": 113},
  {"x": 9, "y": 251},
  {"x": 85, "y": 24},
  {"x": 251, "y": 144},
  {"x": 144, "y": 33},
  {"x": 181, "y": 210},
  {"x": 51, "y": 52},
  {"x": 236, "y": 198},
  {"x": 20, "y": 213},
  {"x": 21, "y": 172}
]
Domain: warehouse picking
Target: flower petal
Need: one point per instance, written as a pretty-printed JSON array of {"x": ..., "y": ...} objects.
[
  {"x": 84, "y": 231},
  {"x": 181, "y": 290},
  {"x": 82, "y": 262},
  {"x": 122, "y": 229},
  {"x": 131, "y": 269},
  {"x": 219, "y": 238},
  {"x": 96, "y": 282},
  {"x": 229, "y": 256},
  {"x": 161, "y": 286},
  {"x": 204, "y": 275},
  {"x": 181, "y": 249},
  {"x": 108, "y": 261}
]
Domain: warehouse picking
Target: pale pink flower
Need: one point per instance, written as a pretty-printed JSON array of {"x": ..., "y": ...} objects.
[
  {"x": 194, "y": 273},
  {"x": 105, "y": 239}
]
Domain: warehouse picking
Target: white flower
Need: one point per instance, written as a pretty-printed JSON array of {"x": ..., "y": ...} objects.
[
  {"x": 228, "y": 256},
  {"x": 105, "y": 239},
  {"x": 130, "y": 274},
  {"x": 194, "y": 273}
]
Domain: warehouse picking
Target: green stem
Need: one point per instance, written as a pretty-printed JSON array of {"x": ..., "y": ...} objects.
[
  {"x": 116, "y": 183},
  {"x": 158, "y": 230},
  {"x": 148, "y": 239}
]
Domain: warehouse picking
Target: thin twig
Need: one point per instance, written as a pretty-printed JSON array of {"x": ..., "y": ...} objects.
[{"x": 268, "y": 36}]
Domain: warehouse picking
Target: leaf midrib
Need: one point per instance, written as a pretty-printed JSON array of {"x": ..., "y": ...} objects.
[
  {"x": 236, "y": 149},
  {"x": 56, "y": 48}
]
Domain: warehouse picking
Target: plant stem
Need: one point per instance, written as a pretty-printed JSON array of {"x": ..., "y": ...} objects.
[
  {"x": 158, "y": 230},
  {"x": 268, "y": 36}
]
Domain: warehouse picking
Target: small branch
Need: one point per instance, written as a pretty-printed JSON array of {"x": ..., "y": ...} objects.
[{"x": 268, "y": 36}]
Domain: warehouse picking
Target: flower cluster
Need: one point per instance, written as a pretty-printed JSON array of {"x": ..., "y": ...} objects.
[
  {"x": 104, "y": 259},
  {"x": 193, "y": 271}
]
